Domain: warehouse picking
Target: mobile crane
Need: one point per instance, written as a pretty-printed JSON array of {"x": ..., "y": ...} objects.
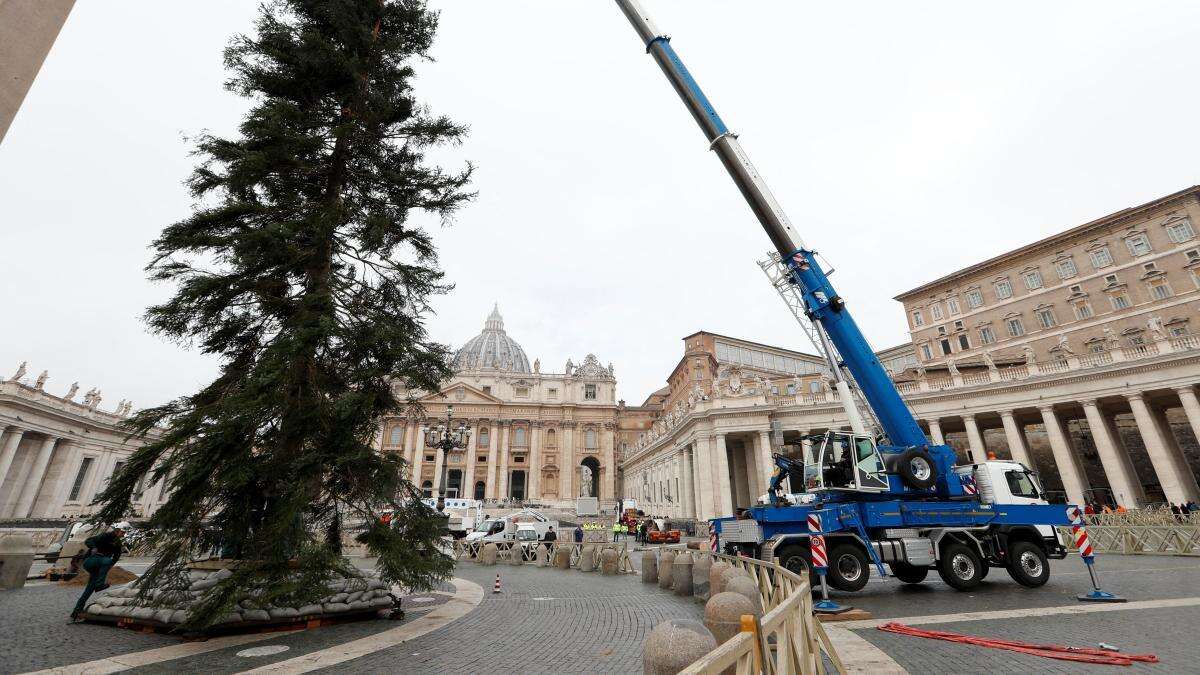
[{"x": 890, "y": 497}]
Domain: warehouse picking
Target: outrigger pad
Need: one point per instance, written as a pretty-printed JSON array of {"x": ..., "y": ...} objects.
[
  {"x": 830, "y": 607},
  {"x": 1100, "y": 596}
]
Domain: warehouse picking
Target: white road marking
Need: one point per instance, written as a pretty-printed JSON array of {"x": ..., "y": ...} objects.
[
  {"x": 265, "y": 650},
  {"x": 467, "y": 597},
  {"x": 1081, "y": 608},
  {"x": 115, "y": 664},
  {"x": 860, "y": 656}
]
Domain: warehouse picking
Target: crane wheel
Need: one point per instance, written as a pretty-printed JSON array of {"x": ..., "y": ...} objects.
[
  {"x": 1027, "y": 564},
  {"x": 960, "y": 566},
  {"x": 916, "y": 469},
  {"x": 848, "y": 568},
  {"x": 909, "y": 574}
]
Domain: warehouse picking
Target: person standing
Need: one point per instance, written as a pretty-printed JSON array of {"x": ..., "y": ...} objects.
[
  {"x": 551, "y": 537},
  {"x": 104, "y": 550},
  {"x": 579, "y": 535}
]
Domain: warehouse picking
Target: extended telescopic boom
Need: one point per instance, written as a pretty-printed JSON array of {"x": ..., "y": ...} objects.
[{"x": 823, "y": 303}]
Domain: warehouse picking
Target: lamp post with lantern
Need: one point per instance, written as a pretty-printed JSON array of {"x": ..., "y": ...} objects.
[{"x": 446, "y": 437}]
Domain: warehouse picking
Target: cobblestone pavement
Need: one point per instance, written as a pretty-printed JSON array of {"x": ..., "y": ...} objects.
[{"x": 1169, "y": 632}]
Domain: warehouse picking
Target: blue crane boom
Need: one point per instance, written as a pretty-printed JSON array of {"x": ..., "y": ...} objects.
[{"x": 824, "y": 305}]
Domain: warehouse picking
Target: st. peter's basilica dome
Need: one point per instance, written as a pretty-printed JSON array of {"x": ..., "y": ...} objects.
[{"x": 492, "y": 349}]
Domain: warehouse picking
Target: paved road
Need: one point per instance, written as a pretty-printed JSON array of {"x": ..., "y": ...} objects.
[{"x": 1169, "y": 632}]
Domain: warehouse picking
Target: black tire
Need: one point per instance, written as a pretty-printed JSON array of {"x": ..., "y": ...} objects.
[
  {"x": 1027, "y": 564},
  {"x": 794, "y": 558},
  {"x": 984, "y": 572},
  {"x": 848, "y": 568},
  {"x": 909, "y": 574},
  {"x": 960, "y": 566},
  {"x": 916, "y": 469}
]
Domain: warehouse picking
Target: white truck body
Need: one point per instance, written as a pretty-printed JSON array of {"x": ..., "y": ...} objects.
[
  {"x": 466, "y": 515},
  {"x": 505, "y": 528}
]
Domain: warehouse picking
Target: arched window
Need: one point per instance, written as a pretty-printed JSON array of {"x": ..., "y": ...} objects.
[
  {"x": 589, "y": 439},
  {"x": 483, "y": 436},
  {"x": 427, "y": 488},
  {"x": 551, "y": 437},
  {"x": 519, "y": 437},
  {"x": 397, "y": 435}
]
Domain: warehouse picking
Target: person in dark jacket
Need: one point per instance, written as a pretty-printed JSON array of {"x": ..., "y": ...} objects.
[
  {"x": 578, "y": 535},
  {"x": 104, "y": 550}
]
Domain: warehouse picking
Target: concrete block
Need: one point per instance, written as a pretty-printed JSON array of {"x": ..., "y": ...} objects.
[
  {"x": 16, "y": 557},
  {"x": 700, "y": 571},
  {"x": 674, "y": 645},
  {"x": 681, "y": 574},
  {"x": 714, "y": 576},
  {"x": 609, "y": 560},
  {"x": 649, "y": 567},
  {"x": 744, "y": 585},
  {"x": 723, "y": 614}
]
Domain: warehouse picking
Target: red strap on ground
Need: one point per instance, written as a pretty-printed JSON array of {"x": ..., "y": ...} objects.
[{"x": 1081, "y": 654}]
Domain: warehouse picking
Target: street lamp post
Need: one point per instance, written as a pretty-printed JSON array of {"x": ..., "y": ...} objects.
[{"x": 446, "y": 437}]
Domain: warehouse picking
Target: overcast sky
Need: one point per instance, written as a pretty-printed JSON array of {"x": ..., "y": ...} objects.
[{"x": 905, "y": 140}]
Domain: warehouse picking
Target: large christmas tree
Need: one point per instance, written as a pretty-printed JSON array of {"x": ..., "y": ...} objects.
[{"x": 306, "y": 270}]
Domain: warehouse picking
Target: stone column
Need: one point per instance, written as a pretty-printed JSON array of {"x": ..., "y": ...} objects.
[
  {"x": 722, "y": 486},
  {"x": 1175, "y": 452},
  {"x": 1073, "y": 480},
  {"x": 9, "y": 451},
  {"x": 608, "y": 459},
  {"x": 534, "y": 483},
  {"x": 410, "y": 431},
  {"x": 70, "y": 468},
  {"x": 739, "y": 481},
  {"x": 1174, "y": 484},
  {"x": 806, "y": 449},
  {"x": 95, "y": 483},
  {"x": 1191, "y": 407},
  {"x": 1014, "y": 433},
  {"x": 1122, "y": 478},
  {"x": 468, "y": 486},
  {"x": 935, "y": 432},
  {"x": 566, "y": 477},
  {"x": 439, "y": 459},
  {"x": 766, "y": 465},
  {"x": 33, "y": 485},
  {"x": 978, "y": 450},
  {"x": 688, "y": 485},
  {"x": 502, "y": 483},
  {"x": 703, "y": 480},
  {"x": 490, "y": 477},
  {"x": 416, "y": 444}
]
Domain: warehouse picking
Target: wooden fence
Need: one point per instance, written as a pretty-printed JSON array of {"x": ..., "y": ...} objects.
[
  {"x": 788, "y": 639},
  {"x": 1169, "y": 539}
]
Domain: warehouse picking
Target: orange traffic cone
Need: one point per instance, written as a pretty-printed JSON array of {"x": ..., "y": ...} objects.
[{"x": 496, "y": 588}]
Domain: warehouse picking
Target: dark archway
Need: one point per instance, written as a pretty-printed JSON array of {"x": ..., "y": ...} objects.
[
  {"x": 480, "y": 489},
  {"x": 516, "y": 488},
  {"x": 427, "y": 489},
  {"x": 454, "y": 483},
  {"x": 589, "y": 482}
]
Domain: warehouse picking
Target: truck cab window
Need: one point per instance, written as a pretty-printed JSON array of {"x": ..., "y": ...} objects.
[{"x": 1021, "y": 484}]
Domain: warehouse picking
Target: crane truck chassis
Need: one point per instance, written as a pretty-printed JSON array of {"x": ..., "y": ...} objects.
[{"x": 885, "y": 495}]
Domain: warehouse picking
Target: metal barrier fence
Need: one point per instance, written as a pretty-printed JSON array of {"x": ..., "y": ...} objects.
[
  {"x": 1170, "y": 539},
  {"x": 788, "y": 639},
  {"x": 507, "y": 550},
  {"x": 1160, "y": 516}
]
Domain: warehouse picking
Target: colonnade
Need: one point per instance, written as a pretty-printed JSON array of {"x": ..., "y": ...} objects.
[{"x": 1149, "y": 411}]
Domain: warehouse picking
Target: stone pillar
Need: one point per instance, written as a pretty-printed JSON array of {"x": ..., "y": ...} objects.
[
  {"x": 1174, "y": 484},
  {"x": 608, "y": 459},
  {"x": 417, "y": 446},
  {"x": 978, "y": 450},
  {"x": 806, "y": 449},
  {"x": 533, "y": 482},
  {"x": 739, "y": 480},
  {"x": 766, "y": 465},
  {"x": 70, "y": 468},
  {"x": 1191, "y": 407},
  {"x": 1122, "y": 478},
  {"x": 489, "y": 489},
  {"x": 1073, "y": 480},
  {"x": 33, "y": 485},
  {"x": 503, "y": 481},
  {"x": 439, "y": 459},
  {"x": 1018, "y": 446},
  {"x": 688, "y": 484},
  {"x": 722, "y": 485},
  {"x": 468, "y": 481},
  {"x": 95, "y": 483},
  {"x": 9, "y": 451},
  {"x": 1175, "y": 452},
  {"x": 566, "y": 476},
  {"x": 702, "y": 467},
  {"x": 935, "y": 432}
]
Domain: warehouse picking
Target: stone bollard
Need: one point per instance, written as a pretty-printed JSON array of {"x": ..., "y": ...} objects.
[
  {"x": 609, "y": 560},
  {"x": 16, "y": 557},
  {"x": 700, "y": 576},
  {"x": 543, "y": 556},
  {"x": 649, "y": 567},
  {"x": 562, "y": 558},
  {"x": 723, "y": 614},
  {"x": 730, "y": 573},
  {"x": 744, "y": 585},
  {"x": 665, "y": 559},
  {"x": 516, "y": 555},
  {"x": 681, "y": 574},
  {"x": 487, "y": 555},
  {"x": 674, "y": 645},
  {"x": 587, "y": 559},
  {"x": 714, "y": 576}
]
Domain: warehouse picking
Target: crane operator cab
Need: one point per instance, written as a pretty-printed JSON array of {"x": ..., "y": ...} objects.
[{"x": 847, "y": 461}]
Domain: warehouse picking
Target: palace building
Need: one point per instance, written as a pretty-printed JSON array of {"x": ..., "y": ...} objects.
[
  {"x": 538, "y": 437},
  {"x": 1078, "y": 355}
]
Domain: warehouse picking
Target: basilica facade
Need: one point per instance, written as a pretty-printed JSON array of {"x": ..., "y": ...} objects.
[{"x": 537, "y": 437}]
